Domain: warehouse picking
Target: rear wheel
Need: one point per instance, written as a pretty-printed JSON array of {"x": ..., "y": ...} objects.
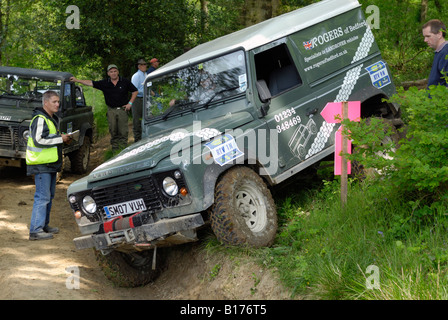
[
  {"x": 244, "y": 212},
  {"x": 80, "y": 158}
]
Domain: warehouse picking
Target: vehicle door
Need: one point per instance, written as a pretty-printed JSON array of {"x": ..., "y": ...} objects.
[
  {"x": 75, "y": 113},
  {"x": 292, "y": 106}
]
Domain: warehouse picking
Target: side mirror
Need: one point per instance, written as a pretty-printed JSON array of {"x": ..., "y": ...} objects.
[{"x": 265, "y": 96}]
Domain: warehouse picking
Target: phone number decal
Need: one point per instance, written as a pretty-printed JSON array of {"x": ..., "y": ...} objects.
[{"x": 286, "y": 119}]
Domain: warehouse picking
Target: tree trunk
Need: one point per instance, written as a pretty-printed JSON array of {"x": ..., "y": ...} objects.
[
  {"x": 256, "y": 11},
  {"x": 423, "y": 10},
  {"x": 204, "y": 17},
  {"x": 4, "y": 16}
]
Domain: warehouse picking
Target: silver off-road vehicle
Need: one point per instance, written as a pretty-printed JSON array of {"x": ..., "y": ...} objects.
[
  {"x": 21, "y": 91},
  {"x": 223, "y": 123}
]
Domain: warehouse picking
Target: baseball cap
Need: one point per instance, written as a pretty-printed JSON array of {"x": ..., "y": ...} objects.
[
  {"x": 154, "y": 60},
  {"x": 111, "y": 66}
]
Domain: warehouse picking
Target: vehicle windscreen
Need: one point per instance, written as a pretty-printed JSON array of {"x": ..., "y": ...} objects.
[
  {"x": 25, "y": 92},
  {"x": 196, "y": 86}
]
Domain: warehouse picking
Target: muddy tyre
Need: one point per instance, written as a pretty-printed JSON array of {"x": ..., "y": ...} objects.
[
  {"x": 244, "y": 212},
  {"x": 80, "y": 158},
  {"x": 131, "y": 270}
]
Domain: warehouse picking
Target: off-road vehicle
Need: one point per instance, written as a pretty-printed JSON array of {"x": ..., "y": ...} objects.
[
  {"x": 225, "y": 122},
  {"x": 21, "y": 91}
]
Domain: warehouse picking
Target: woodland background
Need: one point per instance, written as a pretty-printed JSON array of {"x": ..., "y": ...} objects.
[{"x": 34, "y": 33}]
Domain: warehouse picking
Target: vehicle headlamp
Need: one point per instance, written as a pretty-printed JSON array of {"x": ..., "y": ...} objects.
[
  {"x": 26, "y": 134},
  {"x": 89, "y": 204},
  {"x": 170, "y": 186}
]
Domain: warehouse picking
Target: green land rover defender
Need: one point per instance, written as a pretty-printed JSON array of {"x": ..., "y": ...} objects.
[{"x": 223, "y": 123}]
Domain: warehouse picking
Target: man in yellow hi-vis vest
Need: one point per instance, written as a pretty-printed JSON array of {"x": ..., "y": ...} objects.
[{"x": 44, "y": 160}]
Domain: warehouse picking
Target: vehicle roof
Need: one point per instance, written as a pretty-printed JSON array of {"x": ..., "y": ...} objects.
[
  {"x": 262, "y": 33},
  {"x": 35, "y": 73}
]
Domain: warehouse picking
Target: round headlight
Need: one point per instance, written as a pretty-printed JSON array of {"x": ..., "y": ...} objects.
[
  {"x": 72, "y": 199},
  {"x": 170, "y": 186},
  {"x": 26, "y": 134},
  {"x": 89, "y": 204},
  {"x": 177, "y": 174}
]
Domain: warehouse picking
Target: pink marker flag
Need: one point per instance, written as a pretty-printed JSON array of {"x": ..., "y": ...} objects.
[{"x": 330, "y": 111}]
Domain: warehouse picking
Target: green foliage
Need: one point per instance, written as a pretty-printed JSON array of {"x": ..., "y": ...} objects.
[
  {"x": 420, "y": 163},
  {"x": 422, "y": 160}
]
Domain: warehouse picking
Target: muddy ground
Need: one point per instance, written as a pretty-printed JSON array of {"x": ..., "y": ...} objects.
[{"x": 41, "y": 269}]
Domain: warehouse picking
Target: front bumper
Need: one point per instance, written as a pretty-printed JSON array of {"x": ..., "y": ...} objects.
[{"x": 180, "y": 230}]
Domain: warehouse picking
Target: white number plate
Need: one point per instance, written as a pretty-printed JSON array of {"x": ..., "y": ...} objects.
[{"x": 124, "y": 208}]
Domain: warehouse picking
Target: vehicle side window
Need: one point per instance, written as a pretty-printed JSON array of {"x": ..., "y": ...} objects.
[
  {"x": 277, "y": 69},
  {"x": 67, "y": 96},
  {"x": 80, "y": 101}
]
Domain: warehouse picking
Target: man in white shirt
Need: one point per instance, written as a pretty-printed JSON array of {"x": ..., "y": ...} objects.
[{"x": 137, "y": 108}]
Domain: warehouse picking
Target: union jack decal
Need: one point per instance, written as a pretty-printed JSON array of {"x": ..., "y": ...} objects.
[{"x": 308, "y": 45}]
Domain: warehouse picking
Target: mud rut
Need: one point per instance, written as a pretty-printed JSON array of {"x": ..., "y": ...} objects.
[{"x": 42, "y": 269}]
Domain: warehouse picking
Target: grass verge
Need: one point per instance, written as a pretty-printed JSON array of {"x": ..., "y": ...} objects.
[{"x": 380, "y": 246}]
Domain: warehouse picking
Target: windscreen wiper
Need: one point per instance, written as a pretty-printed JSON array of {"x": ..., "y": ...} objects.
[
  {"x": 174, "y": 107},
  {"x": 205, "y": 105}
]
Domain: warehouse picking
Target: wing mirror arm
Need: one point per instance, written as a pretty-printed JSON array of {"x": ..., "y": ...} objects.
[{"x": 265, "y": 96}]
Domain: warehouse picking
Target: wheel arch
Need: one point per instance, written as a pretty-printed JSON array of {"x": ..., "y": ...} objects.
[
  {"x": 214, "y": 172},
  {"x": 373, "y": 104}
]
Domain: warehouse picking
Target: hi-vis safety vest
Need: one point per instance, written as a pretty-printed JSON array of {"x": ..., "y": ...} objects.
[{"x": 36, "y": 155}]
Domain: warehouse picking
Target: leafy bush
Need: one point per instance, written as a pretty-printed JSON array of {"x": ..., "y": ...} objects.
[{"x": 420, "y": 162}]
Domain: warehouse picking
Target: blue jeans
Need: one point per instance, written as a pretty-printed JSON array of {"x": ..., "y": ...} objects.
[{"x": 45, "y": 188}]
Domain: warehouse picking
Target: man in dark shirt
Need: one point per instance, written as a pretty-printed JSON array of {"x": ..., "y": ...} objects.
[
  {"x": 434, "y": 32},
  {"x": 116, "y": 91}
]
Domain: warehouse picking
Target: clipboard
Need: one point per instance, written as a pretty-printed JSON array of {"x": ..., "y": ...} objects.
[{"x": 74, "y": 135}]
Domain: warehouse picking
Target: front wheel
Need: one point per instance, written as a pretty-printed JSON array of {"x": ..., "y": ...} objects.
[
  {"x": 131, "y": 269},
  {"x": 244, "y": 212}
]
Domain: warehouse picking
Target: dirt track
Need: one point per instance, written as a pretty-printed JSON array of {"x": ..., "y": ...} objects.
[{"x": 38, "y": 269}]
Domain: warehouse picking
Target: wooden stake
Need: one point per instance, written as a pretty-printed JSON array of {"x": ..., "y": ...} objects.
[{"x": 344, "y": 175}]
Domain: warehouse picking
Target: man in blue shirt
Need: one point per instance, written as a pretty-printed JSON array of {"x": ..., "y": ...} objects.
[
  {"x": 137, "y": 108},
  {"x": 434, "y": 32}
]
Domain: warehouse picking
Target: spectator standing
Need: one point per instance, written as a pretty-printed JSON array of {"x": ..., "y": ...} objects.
[
  {"x": 137, "y": 108},
  {"x": 116, "y": 91},
  {"x": 44, "y": 160},
  {"x": 434, "y": 32},
  {"x": 154, "y": 65}
]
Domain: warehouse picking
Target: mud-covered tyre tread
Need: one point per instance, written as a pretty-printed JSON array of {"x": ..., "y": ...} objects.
[
  {"x": 77, "y": 157},
  {"x": 122, "y": 274},
  {"x": 227, "y": 226}
]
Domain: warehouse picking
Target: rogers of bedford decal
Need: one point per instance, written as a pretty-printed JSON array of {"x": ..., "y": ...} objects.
[
  {"x": 7, "y": 118},
  {"x": 323, "y": 38}
]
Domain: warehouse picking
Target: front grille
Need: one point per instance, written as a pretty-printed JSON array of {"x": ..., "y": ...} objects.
[
  {"x": 8, "y": 136},
  {"x": 131, "y": 190}
]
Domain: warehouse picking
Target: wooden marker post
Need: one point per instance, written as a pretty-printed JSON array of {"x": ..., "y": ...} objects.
[
  {"x": 344, "y": 175},
  {"x": 350, "y": 110}
]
